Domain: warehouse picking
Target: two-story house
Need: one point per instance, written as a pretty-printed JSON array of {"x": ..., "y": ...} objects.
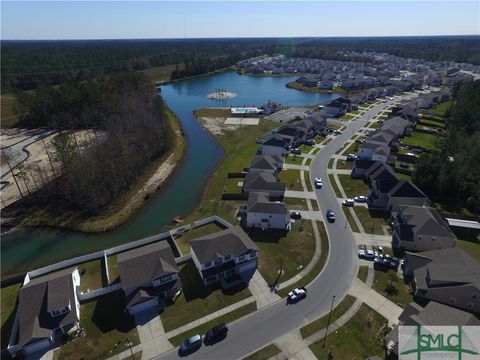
[
  {"x": 263, "y": 182},
  {"x": 275, "y": 146},
  {"x": 389, "y": 195},
  {"x": 449, "y": 276},
  {"x": 148, "y": 275},
  {"x": 227, "y": 257},
  {"x": 361, "y": 166},
  {"x": 375, "y": 152},
  {"x": 265, "y": 214},
  {"x": 48, "y": 308},
  {"x": 266, "y": 163},
  {"x": 421, "y": 229}
]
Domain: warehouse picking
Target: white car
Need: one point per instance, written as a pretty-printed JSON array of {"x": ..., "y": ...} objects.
[
  {"x": 348, "y": 202},
  {"x": 297, "y": 294},
  {"x": 360, "y": 199},
  {"x": 318, "y": 184},
  {"x": 318, "y": 180}
]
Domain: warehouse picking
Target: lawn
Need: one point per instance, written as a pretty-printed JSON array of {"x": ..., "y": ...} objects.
[
  {"x": 399, "y": 293},
  {"x": 113, "y": 273},
  {"x": 182, "y": 239},
  {"x": 344, "y": 164},
  {"x": 307, "y": 181},
  {"x": 330, "y": 163},
  {"x": 198, "y": 300},
  {"x": 227, "y": 318},
  {"x": 339, "y": 310},
  {"x": 351, "y": 222},
  {"x": 228, "y": 210},
  {"x": 265, "y": 353},
  {"x": 108, "y": 329},
  {"x": 294, "y": 160},
  {"x": 231, "y": 185},
  {"x": 308, "y": 162},
  {"x": 427, "y": 141},
  {"x": 159, "y": 73},
  {"x": 472, "y": 248},
  {"x": 404, "y": 177},
  {"x": 92, "y": 275},
  {"x": 440, "y": 108},
  {"x": 8, "y": 297},
  {"x": 432, "y": 122},
  {"x": 334, "y": 185},
  {"x": 346, "y": 117},
  {"x": 291, "y": 178},
  {"x": 318, "y": 266},
  {"x": 353, "y": 187},
  {"x": 358, "y": 339},
  {"x": 362, "y": 273},
  {"x": 290, "y": 251},
  {"x": 295, "y": 203},
  {"x": 371, "y": 224},
  {"x": 352, "y": 148},
  {"x": 304, "y": 148}
]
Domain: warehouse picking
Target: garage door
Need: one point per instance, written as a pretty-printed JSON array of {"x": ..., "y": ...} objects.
[
  {"x": 37, "y": 346},
  {"x": 143, "y": 306}
]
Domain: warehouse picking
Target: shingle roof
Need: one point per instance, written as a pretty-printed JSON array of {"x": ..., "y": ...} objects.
[
  {"x": 406, "y": 189},
  {"x": 436, "y": 314},
  {"x": 381, "y": 172},
  {"x": 232, "y": 241},
  {"x": 274, "y": 141},
  {"x": 264, "y": 162},
  {"x": 423, "y": 221},
  {"x": 365, "y": 164},
  {"x": 259, "y": 203},
  {"x": 263, "y": 182},
  {"x": 144, "y": 264}
]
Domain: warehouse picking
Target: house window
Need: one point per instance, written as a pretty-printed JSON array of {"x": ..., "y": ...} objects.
[
  {"x": 241, "y": 258},
  {"x": 207, "y": 264},
  {"x": 452, "y": 300},
  {"x": 253, "y": 255},
  {"x": 228, "y": 257},
  {"x": 165, "y": 279},
  {"x": 218, "y": 262}
]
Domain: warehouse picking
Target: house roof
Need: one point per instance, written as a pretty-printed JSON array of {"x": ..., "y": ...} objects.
[
  {"x": 143, "y": 294},
  {"x": 382, "y": 136},
  {"x": 365, "y": 164},
  {"x": 232, "y": 241},
  {"x": 380, "y": 149},
  {"x": 142, "y": 265},
  {"x": 262, "y": 182},
  {"x": 258, "y": 202},
  {"x": 288, "y": 131},
  {"x": 406, "y": 189},
  {"x": 275, "y": 141},
  {"x": 37, "y": 298},
  {"x": 437, "y": 314},
  {"x": 381, "y": 171},
  {"x": 265, "y": 162}
]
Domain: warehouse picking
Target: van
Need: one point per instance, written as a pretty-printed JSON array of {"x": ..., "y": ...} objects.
[{"x": 192, "y": 343}]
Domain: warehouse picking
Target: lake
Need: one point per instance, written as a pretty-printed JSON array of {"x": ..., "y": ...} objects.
[{"x": 30, "y": 248}]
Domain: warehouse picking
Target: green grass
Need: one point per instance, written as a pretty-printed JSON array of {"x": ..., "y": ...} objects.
[
  {"x": 470, "y": 247},
  {"x": 113, "y": 273},
  {"x": 295, "y": 203},
  {"x": 92, "y": 275},
  {"x": 227, "y": 318},
  {"x": 362, "y": 273},
  {"x": 330, "y": 163},
  {"x": 292, "y": 179},
  {"x": 399, "y": 294},
  {"x": 352, "y": 148},
  {"x": 440, "y": 108},
  {"x": 231, "y": 185},
  {"x": 265, "y": 353},
  {"x": 107, "y": 329},
  {"x": 334, "y": 185},
  {"x": 357, "y": 339},
  {"x": 371, "y": 224},
  {"x": 159, "y": 73},
  {"x": 344, "y": 164},
  {"x": 404, "y": 177},
  {"x": 198, "y": 300},
  {"x": 8, "y": 296},
  {"x": 353, "y": 187},
  {"x": 427, "y": 141},
  {"x": 432, "y": 122},
  {"x": 308, "y": 162},
  {"x": 321, "y": 323},
  {"x": 294, "y": 160},
  {"x": 304, "y": 148},
  {"x": 346, "y": 117},
  {"x": 228, "y": 210},
  {"x": 351, "y": 222},
  {"x": 315, "y": 205},
  {"x": 307, "y": 279},
  {"x": 182, "y": 239},
  {"x": 308, "y": 183},
  {"x": 291, "y": 251}
]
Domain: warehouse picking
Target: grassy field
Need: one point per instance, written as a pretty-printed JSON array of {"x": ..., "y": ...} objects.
[
  {"x": 351, "y": 222},
  {"x": 334, "y": 185},
  {"x": 432, "y": 122},
  {"x": 353, "y": 187},
  {"x": 321, "y": 323},
  {"x": 427, "y": 141},
  {"x": 231, "y": 185},
  {"x": 470, "y": 247},
  {"x": 399, "y": 293},
  {"x": 294, "y": 160},
  {"x": 227, "y": 318},
  {"x": 371, "y": 224},
  {"x": 265, "y": 353},
  {"x": 8, "y": 115},
  {"x": 224, "y": 113},
  {"x": 440, "y": 108},
  {"x": 292, "y": 179},
  {"x": 108, "y": 329},
  {"x": 318, "y": 266},
  {"x": 357, "y": 339},
  {"x": 113, "y": 273},
  {"x": 290, "y": 251},
  {"x": 8, "y": 297},
  {"x": 159, "y": 73},
  {"x": 182, "y": 240},
  {"x": 362, "y": 273},
  {"x": 197, "y": 300},
  {"x": 92, "y": 275},
  {"x": 295, "y": 203}
]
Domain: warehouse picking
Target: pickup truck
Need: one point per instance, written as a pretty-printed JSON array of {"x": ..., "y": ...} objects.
[{"x": 297, "y": 294}]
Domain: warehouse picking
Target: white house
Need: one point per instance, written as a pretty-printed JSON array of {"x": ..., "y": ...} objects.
[
  {"x": 264, "y": 214},
  {"x": 48, "y": 307},
  {"x": 228, "y": 256},
  {"x": 148, "y": 274}
]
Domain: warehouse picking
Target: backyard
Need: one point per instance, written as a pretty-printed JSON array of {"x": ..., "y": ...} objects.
[
  {"x": 417, "y": 139},
  {"x": 92, "y": 275},
  {"x": 182, "y": 239}
]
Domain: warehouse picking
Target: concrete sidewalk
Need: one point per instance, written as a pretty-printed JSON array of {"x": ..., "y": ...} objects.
[
  {"x": 300, "y": 194},
  {"x": 373, "y": 240},
  {"x": 261, "y": 291},
  {"x": 295, "y": 167},
  {"x": 294, "y": 347}
]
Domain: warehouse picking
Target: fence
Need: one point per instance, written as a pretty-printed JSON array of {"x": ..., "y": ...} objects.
[
  {"x": 98, "y": 292},
  {"x": 230, "y": 196}
]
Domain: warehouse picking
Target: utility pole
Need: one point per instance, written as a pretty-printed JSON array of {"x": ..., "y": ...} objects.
[{"x": 328, "y": 322}]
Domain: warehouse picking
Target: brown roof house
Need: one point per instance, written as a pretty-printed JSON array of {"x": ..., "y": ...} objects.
[
  {"x": 48, "y": 307},
  {"x": 449, "y": 276},
  {"x": 148, "y": 275},
  {"x": 228, "y": 256}
]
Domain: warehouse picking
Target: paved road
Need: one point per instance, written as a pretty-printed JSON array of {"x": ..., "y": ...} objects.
[{"x": 260, "y": 328}]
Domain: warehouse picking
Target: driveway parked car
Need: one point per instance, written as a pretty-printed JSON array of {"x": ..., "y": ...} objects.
[
  {"x": 348, "y": 202},
  {"x": 366, "y": 254},
  {"x": 191, "y": 344},
  {"x": 337, "y": 132},
  {"x": 295, "y": 215},
  {"x": 297, "y": 294},
  {"x": 360, "y": 199},
  {"x": 351, "y": 157},
  {"x": 295, "y": 152},
  {"x": 330, "y": 216}
]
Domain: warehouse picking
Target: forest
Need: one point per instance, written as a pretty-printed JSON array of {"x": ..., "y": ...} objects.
[
  {"x": 127, "y": 129},
  {"x": 30, "y": 64},
  {"x": 452, "y": 174}
]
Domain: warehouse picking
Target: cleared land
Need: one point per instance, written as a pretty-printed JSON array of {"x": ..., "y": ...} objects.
[
  {"x": 159, "y": 73},
  {"x": 8, "y": 115}
]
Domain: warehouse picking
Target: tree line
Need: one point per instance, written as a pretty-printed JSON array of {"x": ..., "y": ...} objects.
[
  {"x": 127, "y": 129},
  {"x": 452, "y": 174}
]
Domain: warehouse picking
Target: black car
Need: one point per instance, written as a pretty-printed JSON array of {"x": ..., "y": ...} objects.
[
  {"x": 216, "y": 333},
  {"x": 330, "y": 216},
  {"x": 295, "y": 152},
  {"x": 295, "y": 215},
  {"x": 310, "y": 142}
]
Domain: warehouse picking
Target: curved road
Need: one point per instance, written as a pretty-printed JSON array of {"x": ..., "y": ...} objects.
[{"x": 264, "y": 326}]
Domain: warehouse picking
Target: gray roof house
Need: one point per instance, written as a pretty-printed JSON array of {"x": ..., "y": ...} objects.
[
  {"x": 275, "y": 146},
  {"x": 266, "y": 163},
  {"x": 380, "y": 171},
  {"x": 382, "y": 137},
  {"x": 389, "y": 195},
  {"x": 48, "y": 307},
  {"x": 228, "y": 256},
  {"x": 263, "y": 182},
  {"x": 397, "y": 126},
  {"x": 375, "y": 152},
  {"x": 265, "y": 214},
  {"x": 449, "y": 276},
  {"x": 419, "y": 228},
  {"x": 148, "y": 274},
  {"x": 360, "y": 167}
]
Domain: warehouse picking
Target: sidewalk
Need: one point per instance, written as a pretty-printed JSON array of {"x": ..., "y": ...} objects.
[
  {"x": 261, "y": 291},
  {"x": 294, "y": 347},
  {"x": 373, "y": 240},
  {"x": 300, "y": 194}
]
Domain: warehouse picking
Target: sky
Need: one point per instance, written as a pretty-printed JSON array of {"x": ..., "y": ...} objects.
[{"x": 40, "y": 20}]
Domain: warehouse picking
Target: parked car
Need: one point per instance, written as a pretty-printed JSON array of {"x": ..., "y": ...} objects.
[
  {"x": 191, "y": 344},
  {"x": 360, "y": 199},
  {"x": 348, "y": 202},
  {"x": 318, "y": 179},
  {"x": 295, "y": 215},
  {"x": 351, "y": 157},
  {"x": 330, "y": 215},
  {"x": 337, "y": 132},
  {"x": 217, "y": 332},
  {"x": 295, "y": 152},
  {"x": 366, "y": 254},
  {"x": 310, "y": 142},
  {"x": 297, "y": 294},
  {"x": 380, "y": 263}
]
